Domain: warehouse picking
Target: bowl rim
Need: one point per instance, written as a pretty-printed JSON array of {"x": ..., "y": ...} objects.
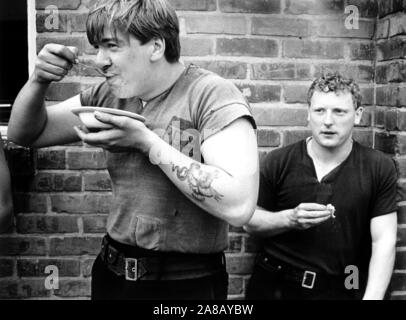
[{"x": 116, "y": 112}]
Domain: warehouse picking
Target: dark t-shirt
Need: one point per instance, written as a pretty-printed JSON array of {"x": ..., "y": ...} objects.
[{"x": 360, "y": 188}]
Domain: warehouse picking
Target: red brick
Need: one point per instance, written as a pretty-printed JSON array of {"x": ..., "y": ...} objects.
[
  {"x": 362, "y": 51},
  {"x": 398, "y": 282},
  {"x": 225, "y": 69},
  {"x": 216, "y": 24},
  {"x": 84, "y": 203},
  {"x": 23, "y": 288},
  {"x": 63, "y": 90},
  {"x": 313, "y": 49},
  {"x": 295, "y": 93},
  {"x": 385, "y": 142},
  {"x": 294, "y": 135},
  {"x": 247, "y": 47},
  {"x": 46, "y": 182},
  {"x": 234, "y": 243},
  {"x": 379, "y": 117},
  {"x": 94, "y": 224},
  {"x": 401, "y": 191},
  {"x": 382, "y": 29},
  {"x": 401, "y": 168},
  {"x": 280, "y": 71},
  {"x": 86, "y": 159},
  {"x": 391, "y": 96},
  {"x": 73, "y": 288},
  {"x": 251, "y": 244},
  {"x": 35, "y": 203},
  {"x": 337, "y": 29},
  {"x": 75, "y": 246},
  {"x": 80, "y": 42},
  {"x": 36, "y": 267},
  {"x": 46, "y": 224},
  {"x": 395, "y": 120},
  {"x": 99, "y": 181},
  {"x": 68, "y": 22},
  {"x": 366, "y": 8},
  {"x": 268, "y": 138},
  {"x": 6, "y": 267},
  {"x": 260, "y": 93},
  {"x": 235, "y": 285},
  {"x": 401, "y": 237},
  {"x": 367, "y": 96},
  {"x": 275, "y": 116},
  {"x": 400, "y": 262},
  {"x": 280, "y": 27},
  {"x": 60, "y": 4},
  {"x": 240, "y": 264},
  {"x": 18, "y": 246},
  {"x": 390, "y": 6},
  {"x": 364, "y": 137},
  {"x": 51, "y": 159},
  {"x": 393, "y": 72},
  {"x": 314, "y": 7},
  {"x": 360, "y": 73},
  {"x": 87, "y": 265},
  {"x": 391, "y": 49},
  {"x": 402, "y": 209},
  {"x": 197, "y": 46},
  {"x": 250, "y": 6},
  {"x": 20, "y": 160},
  {"x": 397, "y": 25},
  {"x": 195, "y": 5}
]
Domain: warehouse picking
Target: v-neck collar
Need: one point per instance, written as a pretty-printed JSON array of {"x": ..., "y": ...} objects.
[{"x": 332, "y": 174}]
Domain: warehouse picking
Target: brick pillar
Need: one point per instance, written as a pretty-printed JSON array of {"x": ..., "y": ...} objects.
[{"x": 390, "y": 117}]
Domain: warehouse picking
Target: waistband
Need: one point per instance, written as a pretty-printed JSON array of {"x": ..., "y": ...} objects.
[
  {"x": 135, "y": 263},
  {"x": 308, "y": 279}
]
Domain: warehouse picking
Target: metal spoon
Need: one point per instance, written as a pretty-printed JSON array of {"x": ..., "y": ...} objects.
[{"x": 90, "y": 67}]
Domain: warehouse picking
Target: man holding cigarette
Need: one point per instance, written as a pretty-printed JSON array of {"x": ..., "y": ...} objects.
[{"x": 326, "y": 208}]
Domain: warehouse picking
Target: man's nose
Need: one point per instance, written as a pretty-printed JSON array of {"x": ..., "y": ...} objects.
[
  {"x": 103, "y": 60},
  {"x": 328, "y": 118}
]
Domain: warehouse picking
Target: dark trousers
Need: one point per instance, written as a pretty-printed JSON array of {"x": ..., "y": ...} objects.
[
  {"x": 106, "y": 285},
  {"x": 271, "y": 285}
]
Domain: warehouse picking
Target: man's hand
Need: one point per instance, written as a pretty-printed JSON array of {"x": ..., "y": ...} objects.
[
  {"x": 127, "y": 133},
  {"x": 54, "y": 62},
  {"x": 307, "y": 215}
]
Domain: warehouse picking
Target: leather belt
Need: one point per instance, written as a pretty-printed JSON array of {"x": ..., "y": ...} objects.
[
  {"x": 163, "y": 266},
  {"x": 304, "y": 278}
]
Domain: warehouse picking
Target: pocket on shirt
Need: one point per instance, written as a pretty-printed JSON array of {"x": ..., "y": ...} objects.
[{"x": 148, "y": 233}]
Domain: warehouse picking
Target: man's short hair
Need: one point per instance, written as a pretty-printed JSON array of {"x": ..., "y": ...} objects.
[
  {"x": 144, "y": 19},
  {"x": 338, "y": 84}
]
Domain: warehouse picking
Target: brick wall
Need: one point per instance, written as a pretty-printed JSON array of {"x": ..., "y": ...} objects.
[
  {"x": 390, "y": 113},
  {"x": 271, "y": 50}
]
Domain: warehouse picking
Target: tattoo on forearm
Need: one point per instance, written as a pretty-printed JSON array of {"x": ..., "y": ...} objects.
[{"x": 199, "y": 181}]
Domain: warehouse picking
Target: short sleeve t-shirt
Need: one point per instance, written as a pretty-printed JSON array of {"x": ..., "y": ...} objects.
[
  {"x": 147, "y": 209},
  {"x": 360, "y": 188}
]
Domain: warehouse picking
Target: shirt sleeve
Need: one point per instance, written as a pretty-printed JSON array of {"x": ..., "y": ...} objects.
[
  {"x": 219, "y": 104},
  {"x": 385, "y": 199}
]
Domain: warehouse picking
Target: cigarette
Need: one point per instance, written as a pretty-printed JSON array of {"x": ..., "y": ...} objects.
[{"x": 332, "y": 210}]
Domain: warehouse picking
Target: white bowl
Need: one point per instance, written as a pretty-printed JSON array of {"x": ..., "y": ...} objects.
[{"x": 86, "y": 115}]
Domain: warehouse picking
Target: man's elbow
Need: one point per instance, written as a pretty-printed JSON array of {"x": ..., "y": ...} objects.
[
  {"x": 241, "y": 214},
  {"x": 18, "y": 138}
]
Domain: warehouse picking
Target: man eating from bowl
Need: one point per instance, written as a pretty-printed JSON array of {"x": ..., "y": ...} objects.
[{"x": 179, "y": 178}]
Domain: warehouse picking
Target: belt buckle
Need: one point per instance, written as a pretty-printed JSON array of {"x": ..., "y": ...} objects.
[
  {"x": 131, "y": 269},
  {"x": 306, "y": 276}
]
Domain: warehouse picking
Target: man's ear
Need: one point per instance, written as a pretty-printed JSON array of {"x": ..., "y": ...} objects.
[
  {"x": 158, "y": 49},
  {"x": 358, "y": 115}
]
